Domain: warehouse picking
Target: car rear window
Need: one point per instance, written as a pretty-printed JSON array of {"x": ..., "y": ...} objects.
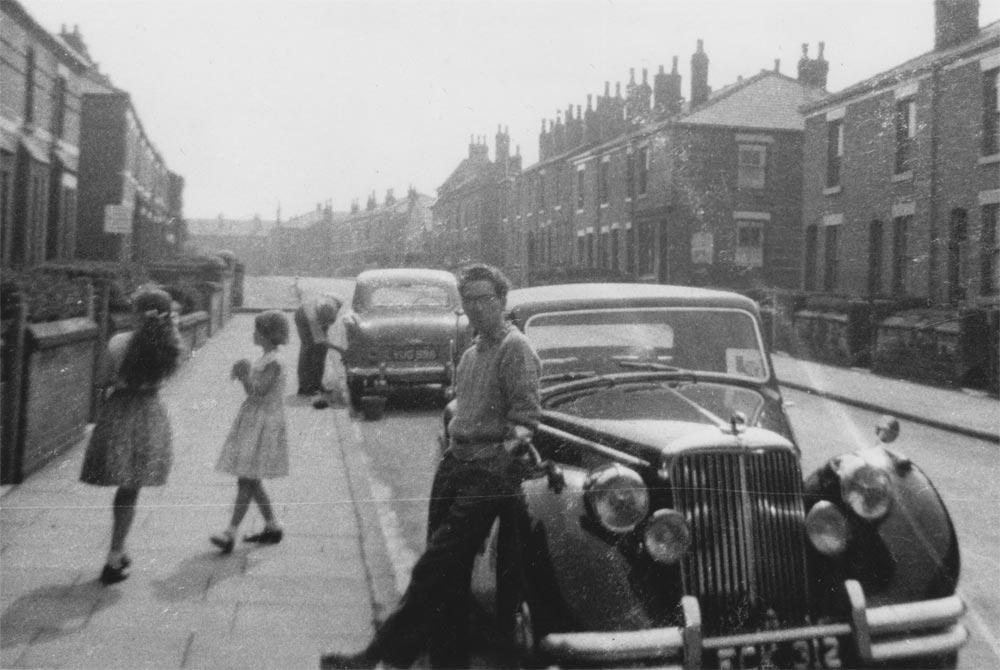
[
  {"x": 405, "y": 295},
  {"x": 712, "y": 340}
]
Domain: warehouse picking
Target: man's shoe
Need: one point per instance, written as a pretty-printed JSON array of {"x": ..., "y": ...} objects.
[
  {"x": 110, "y": 575},
  {"x": 266, "y": 536},
  {"x": 336, "y": 661},
  {"x": 224, "y": 542}
]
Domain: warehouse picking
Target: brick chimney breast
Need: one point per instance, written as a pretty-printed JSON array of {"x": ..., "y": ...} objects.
[
  {"x": 699, "y": 76},
  {"x": 955, "y": 21}
]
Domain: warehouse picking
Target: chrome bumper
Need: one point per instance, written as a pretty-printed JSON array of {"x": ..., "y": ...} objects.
[
  {"x": 404, "y": 374},
  {"x": 880, "y": 633}
]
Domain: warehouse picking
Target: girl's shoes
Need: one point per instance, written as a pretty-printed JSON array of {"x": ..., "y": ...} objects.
[
  {"x": 110, "y": 575},
  {"x": 224, "y": 541},
  {"x": 266, "y": 536}
]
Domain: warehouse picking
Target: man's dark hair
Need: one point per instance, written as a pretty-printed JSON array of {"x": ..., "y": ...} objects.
[{"x": 480, "y": 272}]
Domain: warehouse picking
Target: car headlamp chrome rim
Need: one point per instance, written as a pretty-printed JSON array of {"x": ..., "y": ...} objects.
[
  {"x": 617, "y": 498},
  {"x": 867, "y": 490},
  {"x": 667, "y": 536},
  {"x": 827, "y": 528}
]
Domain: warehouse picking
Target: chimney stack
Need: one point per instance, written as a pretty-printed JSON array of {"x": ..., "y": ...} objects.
[
  {"x": 699, "y": 76},
  {"x": 955, "y": 21}
]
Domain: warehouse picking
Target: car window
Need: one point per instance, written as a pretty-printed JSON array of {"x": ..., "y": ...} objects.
[
  {"x": 652, "y": 401},
  {"x": 406, "y": 295},
  {"x": 709, "y": 340}
]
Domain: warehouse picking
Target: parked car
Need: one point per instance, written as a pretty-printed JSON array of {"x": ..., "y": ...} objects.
[
  {"x": 405, "y": 327},
  {"x": 665, "y": 520}
]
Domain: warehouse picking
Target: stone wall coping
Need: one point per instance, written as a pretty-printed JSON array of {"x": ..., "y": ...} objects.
[
  {"x": 65, "y": 331},
  {"x": 816, "y": 314},
  {"x": 194, "y": 318}
]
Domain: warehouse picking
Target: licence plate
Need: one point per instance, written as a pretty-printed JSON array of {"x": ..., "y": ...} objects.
[
  {"x": 411, "y": 354},
  {"x": 799, "y": 654}
]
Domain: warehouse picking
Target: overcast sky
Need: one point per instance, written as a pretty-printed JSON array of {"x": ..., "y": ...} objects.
[{"x": 257, "y": 103}]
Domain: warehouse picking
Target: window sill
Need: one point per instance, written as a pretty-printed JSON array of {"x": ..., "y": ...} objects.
[
  {"x": 989, "y": 160},
  {"x": 902, "y": 176},
  {"x": 831, "y": 190},
  {"x": 580, "y": 211},
  {"x": 604, "y": 205},
  {"x": 558, "y": 208}
]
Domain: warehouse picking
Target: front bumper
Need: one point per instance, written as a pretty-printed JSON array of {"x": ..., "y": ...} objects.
[{"x": 884, "y": 633}]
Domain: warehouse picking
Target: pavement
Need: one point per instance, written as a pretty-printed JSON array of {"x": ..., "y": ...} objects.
[{"x": 324, "y": 586}]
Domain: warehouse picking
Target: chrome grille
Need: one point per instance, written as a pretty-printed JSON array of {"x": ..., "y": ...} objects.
[{"x": 747, "y": 556}]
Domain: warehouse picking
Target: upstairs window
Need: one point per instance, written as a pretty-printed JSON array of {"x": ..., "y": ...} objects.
[
  {"x": 642, "y": 170},
  {"x": 834, "y": 151},
  {"x": 906, "y": 131},
  {"x": 580, "y": 181},
  {"x": 991, "y": 112},
  {"x": 602, "y": 182},
  {"x": 540, "y": 192},
  {"x": 751, "y": 166},
  {"x": 810, "y": 260},
  {"x": 630, "y": 176},
  {"x": 874, "y": 258},
  {"x": 29, "y": 86},
  {"x": 59, "y": 107},
  {"x": 749, "y": 244}
]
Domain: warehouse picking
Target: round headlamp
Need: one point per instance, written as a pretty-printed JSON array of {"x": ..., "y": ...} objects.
[
  {"x": 667, "y": 536},
  {"x": 867, "y": 490},
  {"x": 827, "y": 528},
  {"x": 617, "y": 498}
]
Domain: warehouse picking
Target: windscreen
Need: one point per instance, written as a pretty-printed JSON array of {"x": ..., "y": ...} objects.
[
  {"x": 709, "y": 340},
  {"x": 406, "y": 295}
]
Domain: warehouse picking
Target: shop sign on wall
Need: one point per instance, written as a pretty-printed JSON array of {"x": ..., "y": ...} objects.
[{"x": 118, "y": 219}]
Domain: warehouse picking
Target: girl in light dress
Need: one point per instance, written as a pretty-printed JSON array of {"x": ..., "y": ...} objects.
[
  {"x": 257, "y": 445},
  {"x": 131, "y": 443}
]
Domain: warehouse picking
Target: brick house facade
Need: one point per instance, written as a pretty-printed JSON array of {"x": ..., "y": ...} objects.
[
  {"x": 469, "y": 211},
  {"x": 394, "y": 233},
  {"x": 649, "y": 187},
  {"x": 41, "y": 79},
  {"x": 902, "y": 174}
]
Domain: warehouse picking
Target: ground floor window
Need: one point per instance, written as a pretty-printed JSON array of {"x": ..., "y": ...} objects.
[
  {"x": 810, "y": 259},
  {"x": 750, "y": 244},
  {"x": 990, "y": 250},
  {"x": 830, "y": 258},
  {"x": 900, "y": 254}
]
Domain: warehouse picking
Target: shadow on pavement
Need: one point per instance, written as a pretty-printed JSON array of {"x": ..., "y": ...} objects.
[
  {"x": 194, "y": 575},
  {"x": 58, "y": 609}
]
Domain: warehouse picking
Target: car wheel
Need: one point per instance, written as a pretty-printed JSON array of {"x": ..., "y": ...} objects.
[
  {"x": 372, "y": 407},
  {"x": 355, "y": 388}
]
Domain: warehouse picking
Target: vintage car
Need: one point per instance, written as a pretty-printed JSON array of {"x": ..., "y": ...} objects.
[
  {"x": 665, "y": 520},
  {"x": 405, "y": 327}
]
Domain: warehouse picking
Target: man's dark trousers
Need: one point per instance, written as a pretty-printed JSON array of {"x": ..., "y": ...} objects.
[
  {"x": 312, "y": 356},
  {"x": 433, "y": 615}
]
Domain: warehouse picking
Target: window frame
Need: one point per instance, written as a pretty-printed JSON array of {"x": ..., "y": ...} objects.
[
  {"x": 906, "y": 133},
  {"x": 834, "y": 151},
  {"x": 749, "y": 256},
  {"x": 751, "y": 176}
]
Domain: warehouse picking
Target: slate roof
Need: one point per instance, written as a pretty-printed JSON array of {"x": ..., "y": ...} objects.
[
  {"x": 768, "y": 100},
  {"x": 988, "y": 37}
]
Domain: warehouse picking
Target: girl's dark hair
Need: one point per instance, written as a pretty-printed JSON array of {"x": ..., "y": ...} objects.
[
  {"x": 480, "y": 272},
  {"x": 272, "y": 325},
  {"x": 154, "y": 351}
]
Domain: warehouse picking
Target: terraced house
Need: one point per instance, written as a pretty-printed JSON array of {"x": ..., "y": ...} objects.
[{"x": 652, "y": 187}]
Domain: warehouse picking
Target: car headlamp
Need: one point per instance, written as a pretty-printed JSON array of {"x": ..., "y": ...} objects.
[
  {"x": 667, "y": 536},
  {"x": 827, "y": 528},
  {"x": 867, "y": 490},
  {"x": 617, "y": 498}
]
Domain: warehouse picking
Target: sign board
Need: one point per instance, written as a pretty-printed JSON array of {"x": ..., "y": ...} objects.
[
  {"x": 118, "y": 219},
  {"x": 702, "y": 246}
]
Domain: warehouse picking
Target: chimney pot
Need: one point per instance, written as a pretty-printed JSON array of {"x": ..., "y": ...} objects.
[
  {"x": 631, "y": 75},
  {"x": 607, "y": 89},
  {"x": 645, "y": 75},
  {"x": 821, "y": 46},
  {"x": 777, "y": 65},
  {"x": 674, "y": 71},
  {"x": 805, "y": 50}
]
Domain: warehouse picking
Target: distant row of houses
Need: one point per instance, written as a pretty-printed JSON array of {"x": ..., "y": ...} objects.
[
  {"x": 79, "y": 175},
  {"x": 887, "y": 189}
]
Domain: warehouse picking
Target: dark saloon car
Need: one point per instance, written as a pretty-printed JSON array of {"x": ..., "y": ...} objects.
[
  {"x": 665, "y": 520},
  {"x": 405, "y": 327}
]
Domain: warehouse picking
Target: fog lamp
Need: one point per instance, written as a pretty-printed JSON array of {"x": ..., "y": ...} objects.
[
  {"x": 827, "y": 528},
  {"x": 867, "y": 490},
  {"x": 667, "y": 536},
  {"x": 617, "y": 497}
]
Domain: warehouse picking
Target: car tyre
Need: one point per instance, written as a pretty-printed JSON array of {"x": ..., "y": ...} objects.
[
  {"x": 372, "y": 407},
  {"x": 355, "y": 389}
]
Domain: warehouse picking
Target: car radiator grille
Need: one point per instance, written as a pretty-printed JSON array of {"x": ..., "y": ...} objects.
[{"x": 747, "y": 560}]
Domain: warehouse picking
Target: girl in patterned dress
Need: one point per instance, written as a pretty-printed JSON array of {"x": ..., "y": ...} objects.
[
  {"x": 131, "y": 443},
  {"x": 257, "y": 445}
]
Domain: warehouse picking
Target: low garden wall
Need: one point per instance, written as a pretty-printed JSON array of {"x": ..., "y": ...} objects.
[
  {"x": 194, "y": 329},
  {"x": 59, "y": 375}
]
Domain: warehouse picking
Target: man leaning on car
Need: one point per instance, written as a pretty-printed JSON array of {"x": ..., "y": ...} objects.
[
  {"x": 313, "y": 318},
  {"x": 496, "y": 410}
]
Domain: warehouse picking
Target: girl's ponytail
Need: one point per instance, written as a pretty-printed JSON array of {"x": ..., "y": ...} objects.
[{"x": 154, "y": 351}]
